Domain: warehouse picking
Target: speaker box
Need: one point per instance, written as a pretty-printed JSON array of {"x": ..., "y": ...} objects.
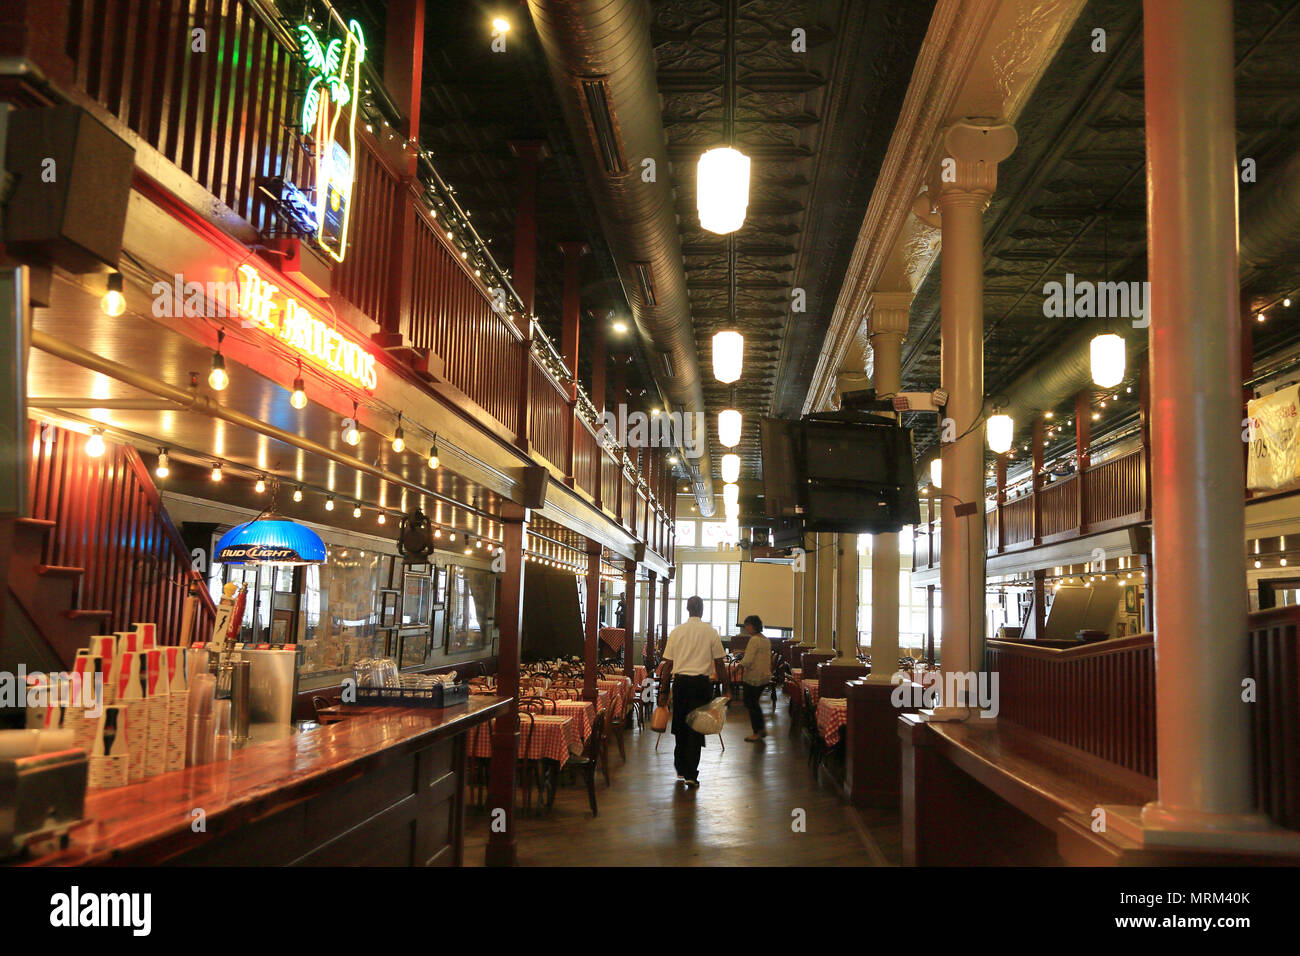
[{"x": 73, "y": 181}]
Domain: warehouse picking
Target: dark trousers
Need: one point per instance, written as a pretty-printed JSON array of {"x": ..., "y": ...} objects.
[
  {"x": 688, "y": 693},
  {"x": 753, "y": 695}
]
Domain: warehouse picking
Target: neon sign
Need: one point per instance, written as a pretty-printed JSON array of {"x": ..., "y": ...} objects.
[
  {"x": 292, "y": 324},
  {"x": 331, "y": 96}
]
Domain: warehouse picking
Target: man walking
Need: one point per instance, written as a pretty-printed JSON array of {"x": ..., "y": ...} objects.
[{"x": 691, "y": 656}]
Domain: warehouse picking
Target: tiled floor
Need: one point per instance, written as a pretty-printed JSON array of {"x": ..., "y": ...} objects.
[{"x": 758, "y": 805}]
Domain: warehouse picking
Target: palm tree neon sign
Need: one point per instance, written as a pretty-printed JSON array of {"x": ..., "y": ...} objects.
[{"x": 333, "y": 93}]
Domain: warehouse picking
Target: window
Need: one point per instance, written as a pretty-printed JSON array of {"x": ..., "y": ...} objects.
[
  {"x": 719, "y": 586},
  {"x": 685, "y": 532},
  {"x": 714, "y": 533}
]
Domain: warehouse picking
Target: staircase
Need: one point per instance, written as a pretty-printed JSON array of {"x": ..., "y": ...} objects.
[{"x": 98, "y": 551}]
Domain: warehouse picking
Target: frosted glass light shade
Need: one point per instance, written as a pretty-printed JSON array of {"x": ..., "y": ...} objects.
[
  {"x": 936, "y": 472},
  {"x": 730, "y": 468},
  {"x": 730, "y": 495},
  {"x": 729, "y": 424},
  {"x": 722, "y": 189},
  {"x": 728, "y": 356},
  {"x": 1108, "y": 360},
  {"x": 1001, "y": 432},
  {"x": 732, "y": 512}
]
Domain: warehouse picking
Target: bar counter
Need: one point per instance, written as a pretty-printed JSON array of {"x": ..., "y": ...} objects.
[{"x": 385, "y": 787}]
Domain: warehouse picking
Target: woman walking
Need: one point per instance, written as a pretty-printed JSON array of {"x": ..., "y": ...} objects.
[{"x": 757, "y": 664}]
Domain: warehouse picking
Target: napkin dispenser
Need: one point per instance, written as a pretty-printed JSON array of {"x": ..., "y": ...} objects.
[{"x": 40, "y": 795}]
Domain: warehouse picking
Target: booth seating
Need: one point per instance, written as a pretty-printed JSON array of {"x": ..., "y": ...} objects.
[{"x": 1075, "y": 732}]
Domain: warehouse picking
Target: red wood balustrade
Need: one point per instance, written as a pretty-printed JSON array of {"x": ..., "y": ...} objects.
[
  {"x": 1116, "y": 492},
  {"x": 587, "y": 459},
  {"x": 550, "y": 418},
  {"x": 1099, "y": 698},
  {"x": 1018, "y": 521},
  {"x": 110, "y": 525},
  {"x": 1275, "y": 715},
  {"x": 1060, "y": 505}
]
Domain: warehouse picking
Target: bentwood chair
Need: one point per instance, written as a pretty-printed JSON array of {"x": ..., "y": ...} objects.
[
  {"x": 585, "y": 763},
  {"x": 530, "y": 767},
  {"x": 780, "y": 674},
  {"x": 609, "y": 720}
]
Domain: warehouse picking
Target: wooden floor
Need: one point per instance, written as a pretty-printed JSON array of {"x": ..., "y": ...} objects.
[{"x": 743, "y": 814}]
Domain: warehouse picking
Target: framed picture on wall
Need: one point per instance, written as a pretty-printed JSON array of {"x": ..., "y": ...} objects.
[
  {"x": 471, "y": 609},
  {"x": 388, "y": 608},
  {"x": 1134, "y": 624},
  {"x": 417, "y": 595},
  {"x": 439, "y": 588},
  {"x": 1131, "y": 599}
]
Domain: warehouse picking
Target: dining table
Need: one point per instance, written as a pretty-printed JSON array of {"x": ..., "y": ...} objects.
[{"x": 832, "y": 715}]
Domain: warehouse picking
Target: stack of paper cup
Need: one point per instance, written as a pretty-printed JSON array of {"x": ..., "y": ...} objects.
[
  {"x": 130, "y": 694},
  {"x": 147, "y": 634},
  {"x": 110, "y": 757},
  {"x": 104, "y": 647},
  {"x": 156, "y": 700},
  {"x": 87, "y": 699},
  {"x": 178, "y": 695}
]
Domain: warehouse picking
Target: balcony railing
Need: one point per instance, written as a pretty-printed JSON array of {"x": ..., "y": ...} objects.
[
  {"x": 1115, "y": 496},
  {"x": 226, "y": 117}
]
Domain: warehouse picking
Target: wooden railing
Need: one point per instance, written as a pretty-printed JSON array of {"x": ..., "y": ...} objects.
[
  {"x": 1116, "y": 498},
  {"x": 1116, "y": 491},
  {"x": 483, "y": 354},
  {"x": 550, "y": 418},
  {"x": 1099, "y": 698},
  {"x": 1275, "y": 715},
  {"x": 1018, "y": 521},
  {"x": 587, "y": 458},
  {"x": 1060, "y": 507},
  {"x": 109, "y": 521},
  {"x": 227, "y": 118}
]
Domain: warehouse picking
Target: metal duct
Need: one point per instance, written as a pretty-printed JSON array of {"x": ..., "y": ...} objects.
[
  {"x": 1270, "y": 230},
  {"x": 603, "y": 67}
]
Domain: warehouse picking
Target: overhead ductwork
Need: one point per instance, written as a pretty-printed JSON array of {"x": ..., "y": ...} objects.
[
  {"x": 1269, "y": 227},
  {"x": 603, "y": 68}
]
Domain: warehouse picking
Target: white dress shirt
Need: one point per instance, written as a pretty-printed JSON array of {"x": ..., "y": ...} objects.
[{"x": 693, "y": 647}]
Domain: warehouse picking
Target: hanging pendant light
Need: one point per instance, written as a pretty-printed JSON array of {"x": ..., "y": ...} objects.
[
  {"x": 351, "y": 434},
  {"x": 1000, "y": 430},
  {"x": 270, "y": 539},
  {"x": 299, "y": 397},
  {"x": 728, "y": 356},
  {"x": 936, "y": 472},
  {"x": 729, "y": 426},
  {"x": 164, "y": 464},
  {"x": 730, "y": 468},
  {"x": 217, "y": 377},
  {"x": 722, "y": 189},
  {"x": 399, "y": 437},
  {"x": 1108, "y": 359},
  {"x": 113, "y": 303},
  {"x": 731, "y": 495}
]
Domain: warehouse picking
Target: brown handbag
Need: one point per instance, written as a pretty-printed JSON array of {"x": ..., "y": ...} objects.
[{"x": 659, "y": 719}]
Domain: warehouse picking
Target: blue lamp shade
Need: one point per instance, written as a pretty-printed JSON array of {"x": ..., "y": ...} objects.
[{"x": 270, "y": 540}]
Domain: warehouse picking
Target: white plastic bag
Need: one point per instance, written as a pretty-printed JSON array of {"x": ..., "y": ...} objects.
[{"x": 709, "y": 719}]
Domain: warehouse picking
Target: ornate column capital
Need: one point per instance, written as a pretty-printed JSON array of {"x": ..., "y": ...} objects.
[
  {"x": 887, "y": 313},
  {"x": 966, "y": 168}
]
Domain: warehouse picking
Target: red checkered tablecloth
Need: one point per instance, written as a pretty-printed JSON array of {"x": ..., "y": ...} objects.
[
  {"x": 614, "y": 637},
  {"x": 553, "y": 737},
  {"x": 582, "y": 711},
  {"x": 832, "y": 714},
  {"x": 810, "y": 688},
  {"x": 621, "y": 687}
]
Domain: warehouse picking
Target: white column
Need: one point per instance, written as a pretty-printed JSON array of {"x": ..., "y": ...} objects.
[
  {"x": 846, "y": 599},
  {"x": 887, "y": 326},
  {"x": 1198, "y": 513},
  {"x": 966, "y": 178}
]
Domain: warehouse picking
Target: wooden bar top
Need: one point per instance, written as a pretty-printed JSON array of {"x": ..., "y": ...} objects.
[{"x": 154, "y": 820}]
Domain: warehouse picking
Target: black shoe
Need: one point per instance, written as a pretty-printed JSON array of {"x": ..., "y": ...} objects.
[{"x": 692, "y": 784}]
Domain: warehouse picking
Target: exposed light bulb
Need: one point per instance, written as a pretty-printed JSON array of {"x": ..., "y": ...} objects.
[
  {"x": 297, "y": 494},
  {"x": 164, "y": 464},
  {"x": 433, "y": 456},
  {"x": 383, "y": 518},
  {"x": 329, "y": 504},
  {"x": 114, "y": 302},
  {"x": 260, "y": 486},
  {"x": 399, "y": 437},
  {"x": 216, "y": 471},
  {"x": 356, "y": 512},
  {"x": 299, "y": 397},
  {"x": 217, "y": 377}
]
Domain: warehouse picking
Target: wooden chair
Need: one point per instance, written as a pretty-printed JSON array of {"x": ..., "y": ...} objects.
[
  {"x": 611, "y": 703},
  {"x": 529, "y": 771},
  {"x": 586, "y": 762},
  {"x": 544, "y": 705},
  {"x": 780, "y": 673}
]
